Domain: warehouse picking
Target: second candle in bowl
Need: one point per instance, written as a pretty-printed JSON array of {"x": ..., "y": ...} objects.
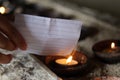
[{"x": 107, "y": 51}]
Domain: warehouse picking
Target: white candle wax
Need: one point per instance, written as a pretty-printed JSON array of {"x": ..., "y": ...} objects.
[{"x": 64, "y": 62}]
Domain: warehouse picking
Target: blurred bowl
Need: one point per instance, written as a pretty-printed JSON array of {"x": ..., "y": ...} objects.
[{"x": 103, "y": 51}]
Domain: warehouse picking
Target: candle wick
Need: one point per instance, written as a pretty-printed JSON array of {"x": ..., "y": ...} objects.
[{"x": 73, "y": 52}]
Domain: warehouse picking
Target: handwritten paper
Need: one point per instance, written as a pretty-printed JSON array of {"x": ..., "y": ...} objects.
[{"x": 48, "y": 36}]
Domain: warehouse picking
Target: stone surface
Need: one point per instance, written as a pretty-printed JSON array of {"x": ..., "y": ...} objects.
[{"x": 24, "y": 67}]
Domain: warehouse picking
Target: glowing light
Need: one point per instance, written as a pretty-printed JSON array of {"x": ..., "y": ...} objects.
[
  {"x": 2, "y": 10},
  {"x": 66, "y": 62},
  {"x": 112, "y": 45},
  {"x": 69, "y": 59}
]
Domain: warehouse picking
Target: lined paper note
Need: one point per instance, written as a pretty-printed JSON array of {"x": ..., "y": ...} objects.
[{"x": 48, "y": 36}]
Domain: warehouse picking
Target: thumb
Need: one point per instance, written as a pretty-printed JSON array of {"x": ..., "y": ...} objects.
[{"x": 4, "y": 59}]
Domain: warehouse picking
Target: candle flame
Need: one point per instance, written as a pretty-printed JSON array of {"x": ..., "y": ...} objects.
[
  {"x": 2, "y": 10},
  {"x": 112, "y": 45},
  {"x": 69, "y": 59}
]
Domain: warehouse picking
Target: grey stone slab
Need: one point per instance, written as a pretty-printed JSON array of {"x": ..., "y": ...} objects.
[{"x": 24, "y": 67}]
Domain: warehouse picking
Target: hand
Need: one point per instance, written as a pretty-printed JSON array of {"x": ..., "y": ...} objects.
[{"x": 10, "y": 38}]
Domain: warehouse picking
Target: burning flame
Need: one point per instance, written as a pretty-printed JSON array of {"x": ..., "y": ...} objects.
[
  {"x": 69, "y": 59},
  {"x": 2, "y": 10},
  {"x": 112, "y": 45}
]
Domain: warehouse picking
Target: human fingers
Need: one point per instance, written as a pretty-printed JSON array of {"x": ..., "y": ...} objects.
[
  {"x": 4, "y": 59},
  {"x": 8, "y": 29},
  {"x": 5, "y": 43}
]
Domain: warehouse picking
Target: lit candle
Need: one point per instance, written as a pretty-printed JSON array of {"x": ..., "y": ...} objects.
[
  {"x": 112, "y": 45},
  {"x": 66, "y": 62},
  {"x": 107, "y": 51},
  {"x": 2, "y": 10},
  {"x": 113, "y": 48}
]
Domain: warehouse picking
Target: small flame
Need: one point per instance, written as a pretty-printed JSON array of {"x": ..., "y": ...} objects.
[
  {"x": 69, "y": 59},
  {"x": 112, "y": 45},
  {"x": 2, "y": 10}
]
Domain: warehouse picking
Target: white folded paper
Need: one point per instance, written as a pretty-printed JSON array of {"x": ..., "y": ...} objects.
[{"x": 48, "y": 36}]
